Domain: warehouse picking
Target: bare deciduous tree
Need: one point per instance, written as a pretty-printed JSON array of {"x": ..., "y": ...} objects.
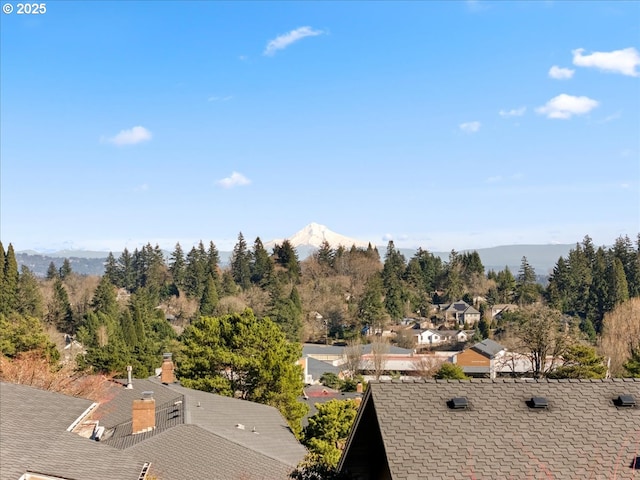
[
  {"x": 621, "y": 335},
  {"x": 379, "y": 351},
  {"x": 353, "y": 357}
]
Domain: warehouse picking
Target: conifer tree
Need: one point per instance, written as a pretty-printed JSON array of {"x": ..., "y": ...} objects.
[
  {"x": 104, "y": 298},
  {"x": 60, "y": 314},
  {"x": 209, "y": 300},
  {"x": 240, "y": 263},
  {"x": 261, "y": 263},
  {"x": 11, "y": 277},
  {"x": 30, "y": 302},
  {"x": 195, "y": 273},
  {"x": 213, "y": 263},
  {"x": 112, "y": 271},
  {"x": 526, "y": 286},
  {"x": 177, "y": 266},
  {"x": 65, "y": 269},
  {"x": 52, "y": 271}
]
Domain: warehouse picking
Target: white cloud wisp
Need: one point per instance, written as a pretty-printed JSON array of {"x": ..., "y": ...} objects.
[
  {"x": 131, "y": 137},
  {"x": 565, "y": 106},
  {"x": 560, "y": 73},
  {"x": 470, "y": 127},
  {"x": 283, "y": 41},
  {"x": 622, "y": 61},
  {"x": 514, "y": 112},
  {"x": 234, "y": 180}
]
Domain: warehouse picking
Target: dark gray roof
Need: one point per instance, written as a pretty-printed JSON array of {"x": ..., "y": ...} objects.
[
  {"x": 582, "y": 433},
  {"x": 221, "y": 415},
  {"x": 488, "y": 347},
  {"x": 34, "y": 437},
  {"x": 316, "y": 368},
  {"x": 189, "y": 451}
]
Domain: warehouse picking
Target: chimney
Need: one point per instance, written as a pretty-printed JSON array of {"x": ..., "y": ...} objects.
[
  {"x": 144, "y": 414},
  {"x": 359, "y": 387},
  {"x": 129, "y": 381},
  {"x": 166, "y": 375}
]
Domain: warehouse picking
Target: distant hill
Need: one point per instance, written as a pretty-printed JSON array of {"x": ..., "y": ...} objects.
[
  {"x": 306, "y": 241},
  {"x": 39, "y": 264}
]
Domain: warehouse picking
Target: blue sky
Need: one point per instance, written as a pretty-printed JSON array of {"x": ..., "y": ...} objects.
[{"x": 444, "y": 125}]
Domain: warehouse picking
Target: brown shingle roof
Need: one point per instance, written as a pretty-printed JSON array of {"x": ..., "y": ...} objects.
[{"x": 582, "y": 434}]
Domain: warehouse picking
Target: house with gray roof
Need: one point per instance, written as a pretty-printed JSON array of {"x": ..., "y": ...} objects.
[
  {"x": 143, "y": 426},
  {"x": 490, "y": 429}
]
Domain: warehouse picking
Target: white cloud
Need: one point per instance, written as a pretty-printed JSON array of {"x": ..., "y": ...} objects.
[
  {"x": 565, "y": 106},
  {"x": 142, "y": 188},
  {"x": 618, "y": 61},
  {"x": 234, "y": 180},
  {"x": 514, "y": 112},
  {"x": 283, "y": 41},
  {"x": 131, "y": 137},
  {"x": 560, "y": 73},
  {"x": 470, "y": 127},
  {"x": 497, "y": 178},
  {"x": 387, "y": 237}
]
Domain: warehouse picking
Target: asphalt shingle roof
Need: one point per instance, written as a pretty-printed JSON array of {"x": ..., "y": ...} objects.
[
  {"x": 34, "y": 437},
  {"x": 581, "y": 435}
]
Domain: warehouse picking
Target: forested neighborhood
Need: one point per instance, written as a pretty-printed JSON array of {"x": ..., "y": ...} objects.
[{"x": 238, "y": 331}]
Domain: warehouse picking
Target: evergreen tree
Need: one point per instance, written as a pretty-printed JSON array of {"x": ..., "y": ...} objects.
[
  {"x": 506, "y": 285},
  {"x": 325, "y": 254},
  {"x": 451, "y": 371},
  {"x": 213, "y": 263},
  {"x": 240, "y": 355},
  {"x": 209, "y": 300},
  {"x": 633, "y": 364},
  {"x": 60, "y": 314},
  {"x": 580, "y": 361},
  {"x": 11, "y": 278},
  {"x": 618, "y": 287},
  {"x": 127, "y": 274},
  {"x": 52, "y": 271},
  {"x": 65, "y": 269},
  {"x": 104, "y": 298},
  {"x": 526, "y": 287},
  {"x": 112, "y": 271},
  {"x": 177, "y": 266},
  {"x": 370, "y": 307},
  {"x": 30, "y": 302},
  {"x": 195, "y": 273},
  {"x": 240, "y": 263},
  {"x": 261, "y": 263},
  {"x": 393, "y": 288},
  {"x": 285, "y": 256}
]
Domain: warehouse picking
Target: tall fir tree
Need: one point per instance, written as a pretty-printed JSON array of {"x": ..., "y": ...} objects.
[
  {"x": 65, "y": 269},
  {"x": 527, "y": 291},
  {"x": 11, "y": 277},
  {"x": 30, "y": 301},
  {"x": 209, "y": 300},
  {"x": 240, "y": 263},
  {"x": 177, "y": 266},
  {"x": 261, "y": 264}
]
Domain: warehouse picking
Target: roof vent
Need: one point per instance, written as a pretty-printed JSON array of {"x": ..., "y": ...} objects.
[
  {"x": 625, "y": 401},
  {"x": 635, "y": 463},
  {"x": 538, "y": 402},
  {"x": 458, "y": 403},
  {"x": 147, "y": 395}
]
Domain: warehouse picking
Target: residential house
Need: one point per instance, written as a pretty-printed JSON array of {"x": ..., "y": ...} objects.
[
  {"x": 507, "y": 428},
  {"x": 500, "y": 309},
  {"x": 481, "y": 359},
  {"x": 460, "y": 312},
  {"x": 142, "y": 427},
  {"x": 434, "y": 337}
]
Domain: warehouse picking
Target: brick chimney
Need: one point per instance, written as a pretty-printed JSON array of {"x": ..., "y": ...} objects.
[
  {"x": 166, "y": 375},
  {"x": 144, "y": 413}
]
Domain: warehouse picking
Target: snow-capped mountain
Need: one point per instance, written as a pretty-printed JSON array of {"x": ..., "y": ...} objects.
[{"x": 314, "y": 234}]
